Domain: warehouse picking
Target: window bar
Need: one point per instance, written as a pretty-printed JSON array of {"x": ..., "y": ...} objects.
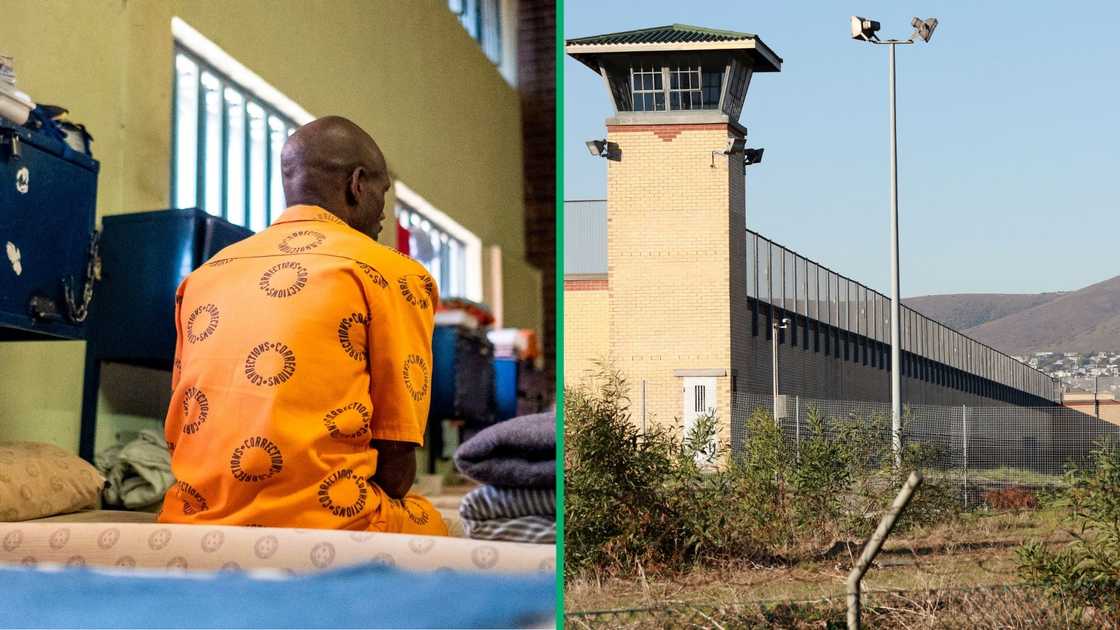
[
  {"x": 174, "y": 124},
  {"x": 222, "y": 85},
  {"x": 247, "y": 169},
  {"x": 200, "y": 130},
  {"x": 266, "y": 129}
]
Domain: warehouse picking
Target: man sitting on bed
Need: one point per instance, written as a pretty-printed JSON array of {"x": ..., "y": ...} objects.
[{"x": 303, "y": 362}]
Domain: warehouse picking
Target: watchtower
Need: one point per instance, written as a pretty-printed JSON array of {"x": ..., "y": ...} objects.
[{"x": 676, "y": 215}]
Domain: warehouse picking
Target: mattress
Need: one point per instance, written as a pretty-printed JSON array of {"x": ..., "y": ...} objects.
[{"x": 140, "y": 545}]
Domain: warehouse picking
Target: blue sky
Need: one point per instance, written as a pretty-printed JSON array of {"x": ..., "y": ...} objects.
[{"x": 1009, "y": 136}]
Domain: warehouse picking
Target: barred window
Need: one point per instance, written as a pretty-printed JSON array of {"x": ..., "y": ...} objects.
[
  {"x": 483, "y": 20},
  {"x": 227, "y": 141},
  {"x": 647, "y": 88},
  {"x": 685, "y": 88},
  {"x": 675, "y": 88},
  {"x": 443, "y": 255}
]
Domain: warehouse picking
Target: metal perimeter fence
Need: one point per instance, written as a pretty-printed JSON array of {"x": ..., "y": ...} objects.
[
  {"x": 1010, "y": 606},
  {"x": 979, "y": 448}
]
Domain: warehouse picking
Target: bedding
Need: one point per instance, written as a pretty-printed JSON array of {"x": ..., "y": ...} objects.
[
  {"x": 139, "y": 472},
  {"x": 485, "y": 502},
  {"x": 513, "y": 514},
  {"x": 524, "y": 529},
  {"x": 214, "y": 548},
  {"x": 520, "y": 452},
  {"x": 38, "y": 480},
  {"x": 364, "y": 596}
]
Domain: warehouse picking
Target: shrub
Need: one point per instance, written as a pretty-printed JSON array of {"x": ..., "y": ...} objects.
[
  {"x": 1086, "y": 574},
  {"x": 666, "y": 501}
]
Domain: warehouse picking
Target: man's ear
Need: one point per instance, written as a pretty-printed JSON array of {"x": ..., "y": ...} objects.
[{"x": 354, "y": 186}]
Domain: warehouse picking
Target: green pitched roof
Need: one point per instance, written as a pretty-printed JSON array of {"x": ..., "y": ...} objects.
[{"x": 671, "y": 34}]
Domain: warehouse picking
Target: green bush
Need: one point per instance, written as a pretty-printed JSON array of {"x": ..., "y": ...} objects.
[
  {"x": 633, "y": 497},
  {"x": 1085, "y": 574},
  {"x": 664, "y": 501}
]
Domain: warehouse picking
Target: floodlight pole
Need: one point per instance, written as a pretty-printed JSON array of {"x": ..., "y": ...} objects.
[
  {"x": 896, "y": 308},
  {"x": 896, "y": 333}
]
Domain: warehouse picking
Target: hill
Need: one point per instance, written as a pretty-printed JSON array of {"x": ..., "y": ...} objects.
[
  {"x": 962, "y": 311},
  {"x": 1086, "y": 320}
]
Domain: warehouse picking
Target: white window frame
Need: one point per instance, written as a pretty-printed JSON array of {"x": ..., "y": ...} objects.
[{"x": 472, "y": 245}]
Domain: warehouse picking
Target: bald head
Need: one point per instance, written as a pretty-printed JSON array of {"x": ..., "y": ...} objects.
[{"x": 334, "y": 164}]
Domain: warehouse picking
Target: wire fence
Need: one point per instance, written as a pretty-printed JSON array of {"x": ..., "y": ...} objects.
[
  {"x": 979, "y": 448},
  {"x": 1004, "y": 606}
]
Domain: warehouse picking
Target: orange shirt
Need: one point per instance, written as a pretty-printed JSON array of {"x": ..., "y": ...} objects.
[{"x": 296, "y": 347}]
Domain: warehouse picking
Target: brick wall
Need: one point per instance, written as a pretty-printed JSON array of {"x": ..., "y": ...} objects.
[
  {"x": 669, "y": 232},
  {"x": 586, "y": 335}
]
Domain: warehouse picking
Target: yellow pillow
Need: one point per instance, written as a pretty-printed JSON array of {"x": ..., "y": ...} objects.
[{"x": 38, "y": 480}]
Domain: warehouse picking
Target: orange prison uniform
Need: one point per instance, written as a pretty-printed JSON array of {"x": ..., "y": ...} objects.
[{"x": 296, "y": 347}]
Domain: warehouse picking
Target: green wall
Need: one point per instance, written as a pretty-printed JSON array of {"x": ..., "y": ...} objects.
[{"x": 407, "y": 72}]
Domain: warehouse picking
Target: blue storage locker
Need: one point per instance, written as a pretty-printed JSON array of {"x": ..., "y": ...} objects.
[
  {"x": 145, "y": 255},
  {"x": 48, "y": 196}
]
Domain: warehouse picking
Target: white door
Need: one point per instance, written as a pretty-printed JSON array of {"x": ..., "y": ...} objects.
[{"x": 699, "y": 399}]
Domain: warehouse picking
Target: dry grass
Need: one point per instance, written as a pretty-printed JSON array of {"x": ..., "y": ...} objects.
[{"x": 977, "y": 550}]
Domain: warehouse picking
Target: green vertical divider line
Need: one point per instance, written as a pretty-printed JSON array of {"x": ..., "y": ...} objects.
[{"x": 559, "y": 362}]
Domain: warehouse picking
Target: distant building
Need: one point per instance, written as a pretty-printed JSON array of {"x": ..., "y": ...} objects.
[{"x": 1103, "y": 405}]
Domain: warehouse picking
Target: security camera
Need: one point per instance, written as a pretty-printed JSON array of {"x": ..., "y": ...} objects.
[
  {"x": 924, "y": 27},
  {"x": 864, "y": 28},
  {"x": 786, "y": 321}
]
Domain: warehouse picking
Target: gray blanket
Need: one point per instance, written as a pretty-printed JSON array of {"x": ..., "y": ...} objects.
[{"x": 517, "y": 453}]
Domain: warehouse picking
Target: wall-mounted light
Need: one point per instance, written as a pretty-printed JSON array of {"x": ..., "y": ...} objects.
[
  {"x": 752, "y": 156},
  {"x": 734, "y": 145},
  {"x": 597, "y": 148}
]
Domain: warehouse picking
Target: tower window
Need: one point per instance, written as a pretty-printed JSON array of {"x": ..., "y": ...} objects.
[
  {"x": 648, "y": 90},
  {"x": 684, "y": 88},
  {"x": 674, "y": 88}
]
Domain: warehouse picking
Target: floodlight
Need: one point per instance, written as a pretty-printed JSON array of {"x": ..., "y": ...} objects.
[
  {"x": 752, "y": 156},
  {"x": 864, "y": 28},
  {"x": 597, "y": 148},
  {"x": 925, "y": 28}
]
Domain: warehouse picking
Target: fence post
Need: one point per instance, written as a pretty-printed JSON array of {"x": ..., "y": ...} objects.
[
  {"x": 875, "y": 543},
  {"x": 643, "y": 406},
  {"x": 797, "y": 426},
  {"x": 964, "y": 441}
]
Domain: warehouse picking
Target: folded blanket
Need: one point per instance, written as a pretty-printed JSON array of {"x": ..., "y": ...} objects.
[
  {"x": 519, "y": 453},
  {"x": 527, "y": 529},
  {"x": 138, "y": 472},
  {"x": 489, "y": 502}
]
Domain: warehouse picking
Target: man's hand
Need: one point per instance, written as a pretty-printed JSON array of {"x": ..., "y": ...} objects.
[{"x": 396, "y": 467}]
